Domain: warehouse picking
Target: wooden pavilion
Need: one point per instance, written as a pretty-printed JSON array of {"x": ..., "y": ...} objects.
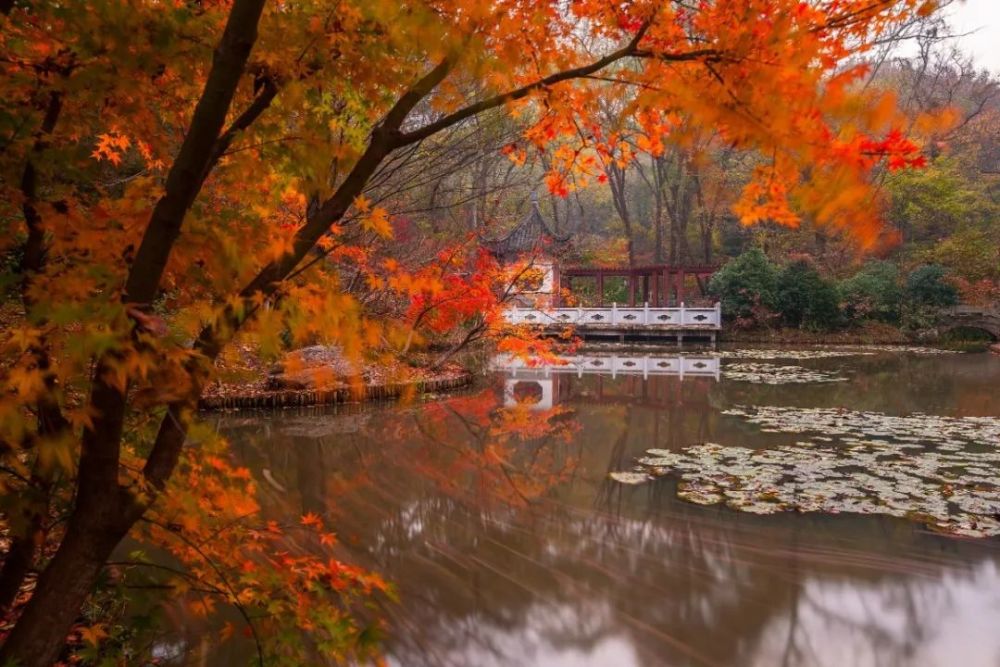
[
  {"x": 535, "y": 240},
  {"x": 657, "y": 285}
]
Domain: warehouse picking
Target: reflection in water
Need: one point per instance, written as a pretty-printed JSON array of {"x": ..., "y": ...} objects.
[{"x": 509, "y": 545}]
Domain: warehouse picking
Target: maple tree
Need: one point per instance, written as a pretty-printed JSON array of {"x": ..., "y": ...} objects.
[{"x": 176, "y": 174}]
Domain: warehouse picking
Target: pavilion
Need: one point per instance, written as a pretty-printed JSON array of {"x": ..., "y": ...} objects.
[{"x": 658, "y": 285}]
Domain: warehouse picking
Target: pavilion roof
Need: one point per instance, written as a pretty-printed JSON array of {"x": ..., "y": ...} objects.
[{"x": 531, "y": 235}]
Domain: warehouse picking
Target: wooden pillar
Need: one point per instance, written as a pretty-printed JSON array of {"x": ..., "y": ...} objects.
[
  {"x": 680, "y": 287},
  {"x": 656, "y": 289},
  {"x": 631, "y": 288},
  {"x": 645, "y": 288}
]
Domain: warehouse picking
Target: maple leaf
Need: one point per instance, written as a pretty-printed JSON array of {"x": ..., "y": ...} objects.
[
  {"x": 377, "y": 220},
  {"x": 362, "y": 203},
  {"x": 93, "y": 634},
  {"x": 110, "y": 147}
]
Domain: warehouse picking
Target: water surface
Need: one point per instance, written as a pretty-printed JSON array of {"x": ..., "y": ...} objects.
[{"x": 510, "y": 546}]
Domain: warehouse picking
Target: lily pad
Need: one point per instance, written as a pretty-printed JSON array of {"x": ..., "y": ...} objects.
[
  {"x": 630, "y": 477},
  {"x": 773, "y": 374},
  {"x": 941, "y": 471}
]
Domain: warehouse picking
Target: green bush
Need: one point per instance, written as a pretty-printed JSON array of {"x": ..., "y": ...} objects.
[
  {"x": 746, "y": 286},
  {"x": 925, "y": 295},
  {"x": 805, "y": 299},
  {"x": 926, "y": 287},
  {"x": 873, "y": 293}
]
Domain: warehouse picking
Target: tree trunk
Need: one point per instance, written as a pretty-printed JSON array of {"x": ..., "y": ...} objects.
[
  {"x": 658, "y": 226},
  {"x": 103, "y": 515},
  {"x": 673, "y": 241},
  {"x": 616, "y": 179},
  {"x": 51, "y": 423},
  {"x": 706, "y": 216},
  {"x": 629, "y": 244},
  {"x": 40, "y": 633},
  {"x": 706, "y": 242},
  {"x": 37, "y": 499},
  {"x": 16, "y": 566}
]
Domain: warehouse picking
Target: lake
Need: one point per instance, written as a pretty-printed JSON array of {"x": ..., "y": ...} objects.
[{"x": 510, "y": 544}]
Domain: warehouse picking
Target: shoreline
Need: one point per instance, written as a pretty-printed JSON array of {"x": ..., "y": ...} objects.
[{"x": 369, "y": 393}]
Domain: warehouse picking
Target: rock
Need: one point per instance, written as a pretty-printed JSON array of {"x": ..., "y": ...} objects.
[
  {"x": 995, "y": 348},
  {"x": 312, "y": 357},
  {"x": 320, "y": 377},
  {"x": 313, "y": 367}
]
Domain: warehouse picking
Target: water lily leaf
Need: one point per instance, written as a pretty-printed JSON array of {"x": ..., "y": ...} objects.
[
  {"x": 941, "y": 471},
  {"x": 630, "y": 477}
]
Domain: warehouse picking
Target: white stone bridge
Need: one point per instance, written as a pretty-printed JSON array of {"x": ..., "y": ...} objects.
[{"x": 626, "y": 321}]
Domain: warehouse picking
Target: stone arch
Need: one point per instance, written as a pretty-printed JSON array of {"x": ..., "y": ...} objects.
[
  {"x": 983, "y": 318},
  {"x": 541, "y": 392},
  {"x": 992, "y": 331},
  {"x": 969, "y": 317}
]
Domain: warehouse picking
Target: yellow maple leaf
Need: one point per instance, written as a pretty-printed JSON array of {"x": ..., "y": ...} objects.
[
  {"x": 362, "y": 203},
  {"x": 378, "y": 221}
]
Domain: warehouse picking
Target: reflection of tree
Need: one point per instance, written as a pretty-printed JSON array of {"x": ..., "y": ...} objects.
[{"x": 486, "y": 519}]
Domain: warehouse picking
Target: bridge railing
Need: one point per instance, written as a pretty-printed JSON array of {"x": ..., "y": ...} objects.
[
  {"x": 968, "y": 309},
  {"x": 613, "y": 315},
  {"x": 614, "y": 365}
]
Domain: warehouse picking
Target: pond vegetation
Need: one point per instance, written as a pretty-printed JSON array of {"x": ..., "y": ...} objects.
[
  {"x": 774, "y": 374},
  {"x": 937, "y": 470}
]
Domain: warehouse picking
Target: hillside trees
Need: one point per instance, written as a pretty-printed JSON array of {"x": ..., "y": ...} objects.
[{"x": 175, "y": 176}]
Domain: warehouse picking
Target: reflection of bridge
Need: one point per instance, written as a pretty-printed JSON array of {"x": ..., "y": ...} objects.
[
  {"x": 614, "y": 365},
  {"x": 542, "y": 382},
  {"x": 621, "y": 322}
]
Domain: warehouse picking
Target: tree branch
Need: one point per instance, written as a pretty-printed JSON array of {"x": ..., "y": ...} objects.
[
  {"x": 630, "y": 49},
  {"x": 100, "y": 452}
]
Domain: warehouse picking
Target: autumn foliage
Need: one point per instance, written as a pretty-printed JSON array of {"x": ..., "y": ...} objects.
[{"x": 177, "y": 175}]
